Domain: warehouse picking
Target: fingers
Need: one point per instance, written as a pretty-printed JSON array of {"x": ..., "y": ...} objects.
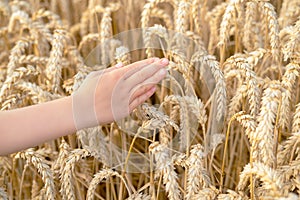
[
  {"x": 148, "y": 83},
  {"x": 134, "y": 67},
  {"x": 139, "y": 91},
  {"x": 141, "y": 99},
  {"x": 147, "y": 72}
]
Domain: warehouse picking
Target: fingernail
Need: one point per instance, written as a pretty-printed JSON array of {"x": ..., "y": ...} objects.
[
  {"x": 119, "y": 64},
  {"x": 164, "y": 61},
  {"x": 153, "y": 89},
  {"x": 162, "y": 71}
]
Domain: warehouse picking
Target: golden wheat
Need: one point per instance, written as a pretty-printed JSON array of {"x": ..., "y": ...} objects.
[{"x": 223, "y": 124}]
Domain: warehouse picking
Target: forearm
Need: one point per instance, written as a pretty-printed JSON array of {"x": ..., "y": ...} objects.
[{"x": 29, "y": 126}]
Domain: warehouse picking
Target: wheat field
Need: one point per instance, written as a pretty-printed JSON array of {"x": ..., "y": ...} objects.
[{"x": 224, "y": 124}]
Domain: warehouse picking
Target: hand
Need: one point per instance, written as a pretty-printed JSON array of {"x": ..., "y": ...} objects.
[{"x": 113, "y": 93}]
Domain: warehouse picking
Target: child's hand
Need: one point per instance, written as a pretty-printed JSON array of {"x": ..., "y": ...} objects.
[{"x": 113, "y": 93}]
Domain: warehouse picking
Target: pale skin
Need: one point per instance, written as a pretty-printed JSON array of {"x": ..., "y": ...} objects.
[{"x": 29, "y": 126}]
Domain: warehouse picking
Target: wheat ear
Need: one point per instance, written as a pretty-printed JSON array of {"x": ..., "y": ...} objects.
[
  {"x": 181, "y": 16},
  {"x": 232, "y": 195},
  {"x": 40, "y": 164},
  {"x": 54, "y": 66},
  {"x": 139, "y": 196},
  {"x": 271, "y": 17},
  {"x": 123, "y": 55},
  {"x": 98, "y": 177},
  {"x": 250, "y": 25},
  {"x": 271, "y": 180},
  {"x": 160, "y": 13},
  {"x": 214, "y": 18},
  {"x": 67, "y": 187},
  {"x": 206, "y": 194},
  {"x": 264, "y": 134},
  {"x": 288, "y": 83},
  {"x": 197, "y": 177},
  {"x": 289, "y": 49},
  {"x": 214, "y": 66},
  {"x": 166, "y": 169},
  {"x": 3, "y": 194}
]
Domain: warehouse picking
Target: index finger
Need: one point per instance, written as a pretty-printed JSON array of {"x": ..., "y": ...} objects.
[{"x": 136, "y": 66}]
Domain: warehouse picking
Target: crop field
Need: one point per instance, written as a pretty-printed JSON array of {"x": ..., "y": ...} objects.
[{"x": 223, "y": 124}]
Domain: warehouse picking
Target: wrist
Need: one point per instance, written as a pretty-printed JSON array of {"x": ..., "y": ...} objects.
[{"x": 83, "y": 110}]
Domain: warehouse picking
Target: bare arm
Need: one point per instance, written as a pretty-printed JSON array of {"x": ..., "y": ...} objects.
[
  {"x": 103, "y": 97},
  {"x": 32, "y": 125}
]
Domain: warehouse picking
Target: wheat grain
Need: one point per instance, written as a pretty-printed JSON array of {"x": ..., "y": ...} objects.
[
  {"x": 235, "y": 104},
  {"x": 289, "y": 49},
  {"x": 38, "y": 94},
  {"x": 181, "y": 16},
  {"x": 206, "y": 194},
  {"x": 160, "y": 13},
  {"x": 152, "y": 112},
  {"x": 54, "y": 19},
  {"x": 258, "y": 51},
  {"x": 92, "y": 37},
  {"x": 54, "y": 67},
  {"x": 271, "y": 17},
  {"x": 16, "y": 51},
  {"x": 3, "y": 194},
  {"x": 271, "y": 181},
  {"x": 122, "y": 55},
  {"x": 139, "y": 196},
  {"x": 98, "y": 177},
  {"x": 146, "y": 13},
  {"x": 264, "y": 142},
  {"x": 166, "y": 169},
  {"x": 187, "y": 127},
  {"x": 214, "y": 17},
  {"x": 288, "y": 13},
  {"x": 197, "y": 177},
  {"x": 231, "y": 195},
  {"x": 250, "y": 25},
  {"x": 33, "y": 157},
  {"x": 288, "y": 82},
  {"x": 211, "y": 62},
  {"x": 289, "y": 149},
  {"x": 93, "y": 140},
  {"x": 67, "y": 187},
  {"x": 225, "y": 24}
]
